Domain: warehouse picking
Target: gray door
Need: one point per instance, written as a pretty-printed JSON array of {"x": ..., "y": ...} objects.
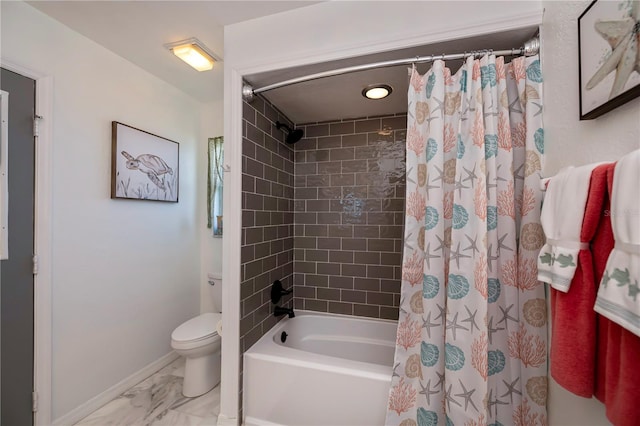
[{"x": 16, "y": 273}]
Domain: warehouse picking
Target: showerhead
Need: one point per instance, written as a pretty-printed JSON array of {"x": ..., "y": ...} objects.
[{"x": 293, "y": 135}]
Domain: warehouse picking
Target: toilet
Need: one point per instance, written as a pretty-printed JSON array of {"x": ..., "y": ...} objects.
[{"x": 198, "y": 341}]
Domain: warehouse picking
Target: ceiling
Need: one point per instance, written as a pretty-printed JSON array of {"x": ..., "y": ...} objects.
[{"x": 137, "y": 31}]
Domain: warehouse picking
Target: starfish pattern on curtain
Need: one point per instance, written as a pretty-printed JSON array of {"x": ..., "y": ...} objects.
[{"x": 471, "y": 344}]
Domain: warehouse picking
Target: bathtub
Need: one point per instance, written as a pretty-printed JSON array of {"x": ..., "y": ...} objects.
[{"x": 331, "y": 370}]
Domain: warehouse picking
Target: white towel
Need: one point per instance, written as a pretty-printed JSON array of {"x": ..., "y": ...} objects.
[
  {"x": 619, "y": 292},
  {"x": 561, "y": 219}
]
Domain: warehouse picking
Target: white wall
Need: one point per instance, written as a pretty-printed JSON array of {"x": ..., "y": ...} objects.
[
  {"x": 211, "y": 125},
  {"x": 334, "y": 30},
  {"x": 319, "y": 33},
  {"x": 569, "y": 141},
  {"x": 125, "y": 273}
]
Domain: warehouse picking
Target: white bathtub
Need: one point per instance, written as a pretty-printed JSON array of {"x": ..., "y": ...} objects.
[{"x": 332, "y": 370}]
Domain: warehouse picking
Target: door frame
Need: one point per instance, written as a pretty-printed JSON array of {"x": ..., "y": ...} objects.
[{"x": 42, "y": 281}]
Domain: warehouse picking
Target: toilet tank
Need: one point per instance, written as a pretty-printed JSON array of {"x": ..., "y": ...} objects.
[{"x": 215, "y": 290}]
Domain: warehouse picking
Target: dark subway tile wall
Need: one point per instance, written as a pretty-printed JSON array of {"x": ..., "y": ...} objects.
[
  {"x": 349, "y": 216},
  {"x": 267, "y": 218}
]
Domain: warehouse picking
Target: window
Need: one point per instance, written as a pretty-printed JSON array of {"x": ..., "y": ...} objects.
[{"x": 214, "y": 186}]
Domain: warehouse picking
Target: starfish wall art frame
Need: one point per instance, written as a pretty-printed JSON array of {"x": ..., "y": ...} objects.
[
  {"x": 609, "y": 56},
  {"x": 143, "y": 166}
]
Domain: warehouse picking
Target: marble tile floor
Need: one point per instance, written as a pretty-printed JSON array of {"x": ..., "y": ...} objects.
[{"x": 158, "y": 401}]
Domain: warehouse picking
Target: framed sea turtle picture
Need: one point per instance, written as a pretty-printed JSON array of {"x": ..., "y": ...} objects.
[
  {"x": 144, "y": 166},
  {"x": 608, "y": 56}
]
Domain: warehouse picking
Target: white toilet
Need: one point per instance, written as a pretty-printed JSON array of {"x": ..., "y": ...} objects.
[{"x": 198, "y": 341}]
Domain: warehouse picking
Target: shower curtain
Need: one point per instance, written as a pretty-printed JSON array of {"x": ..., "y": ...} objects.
[{"x": 471, "y": 345}]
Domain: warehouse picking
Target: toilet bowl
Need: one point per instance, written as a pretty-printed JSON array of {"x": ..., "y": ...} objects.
[{"x": 198, "y": 341}]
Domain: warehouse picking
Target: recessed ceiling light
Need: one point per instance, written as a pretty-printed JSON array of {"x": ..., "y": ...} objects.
[
  {"x": 377, "y": 91},
  {"x": 194, "y": 53}
]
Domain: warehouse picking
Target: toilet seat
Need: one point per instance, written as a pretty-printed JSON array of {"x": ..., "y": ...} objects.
[
  {"x": 208, "y": 344},
  {"x": 201, "y": 328}
]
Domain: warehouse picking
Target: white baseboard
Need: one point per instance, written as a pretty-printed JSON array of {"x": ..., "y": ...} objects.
[
  {"x": 227, "y": 421},
  {"x": 250, "y": 421},
  {"x": 82, "y": 411}
]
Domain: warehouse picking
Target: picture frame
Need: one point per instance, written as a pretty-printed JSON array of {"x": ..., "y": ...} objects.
[
  {"x": 144, "y": 166},
  {"x": 608, "y": 58}
]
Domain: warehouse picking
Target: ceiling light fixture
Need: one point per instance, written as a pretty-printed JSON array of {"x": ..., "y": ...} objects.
[
  {"x": 194, "y": 53},
  {"x": 377, "y": 91}
]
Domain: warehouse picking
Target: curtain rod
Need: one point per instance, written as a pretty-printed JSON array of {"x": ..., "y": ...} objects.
[{"x": 530, "y": 48}]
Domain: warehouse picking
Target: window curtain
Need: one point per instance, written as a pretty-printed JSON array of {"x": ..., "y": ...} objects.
[
  {"x": 472, "y": 339},
  {"x": 215, "y": 184}
]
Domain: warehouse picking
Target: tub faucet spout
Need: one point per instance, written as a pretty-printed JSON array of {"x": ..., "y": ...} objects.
[{"x": 278, "y": 311}]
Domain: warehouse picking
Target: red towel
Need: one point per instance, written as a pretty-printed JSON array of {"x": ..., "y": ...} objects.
[
  {"x": 591, "y": 355},
  {"x": 573, "y": 339}
]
